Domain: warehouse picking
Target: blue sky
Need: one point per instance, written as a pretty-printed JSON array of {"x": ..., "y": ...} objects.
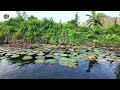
[{"x": 57, "y": 15}]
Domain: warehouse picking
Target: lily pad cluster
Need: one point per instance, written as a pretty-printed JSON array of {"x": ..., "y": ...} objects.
[
  {"x": 68, "y": 62},
  {"x": 50, "y": 54},
  {"x": 49, "y": 61}
]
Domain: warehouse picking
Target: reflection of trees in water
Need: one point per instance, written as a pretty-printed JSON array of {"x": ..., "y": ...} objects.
[
  {"x": 117, "y": 71},
  {"x": 91, "y": 64}
]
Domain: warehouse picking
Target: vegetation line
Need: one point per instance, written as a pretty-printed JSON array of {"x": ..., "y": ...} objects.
[{"x": 24, "y": 29}]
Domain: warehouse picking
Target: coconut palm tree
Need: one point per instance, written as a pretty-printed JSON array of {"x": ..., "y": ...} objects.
[
  {"x": 95, "y": 19},
  {"x": 115, "y": 23}
]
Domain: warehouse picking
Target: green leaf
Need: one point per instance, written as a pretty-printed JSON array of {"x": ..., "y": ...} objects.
[{"x": 94, "y": 14}]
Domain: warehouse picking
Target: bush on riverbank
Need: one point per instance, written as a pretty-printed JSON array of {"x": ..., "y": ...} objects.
[{"x": 46, "y": 30}]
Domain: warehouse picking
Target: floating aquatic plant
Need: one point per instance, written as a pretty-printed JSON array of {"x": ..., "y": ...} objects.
[
  {"x": 27, "y": 58},
  {"x": 15, "y": 56},
  {"x": 50, "y": 61}
]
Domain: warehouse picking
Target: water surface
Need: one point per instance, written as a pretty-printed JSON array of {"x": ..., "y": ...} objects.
[{"x": 84, "y": 70}]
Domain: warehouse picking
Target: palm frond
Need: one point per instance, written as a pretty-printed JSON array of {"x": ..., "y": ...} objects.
[
  {"x": 91, "y": 24},
  {"x": 94, "y": 14},
  {"x": 88, "y": 15}
]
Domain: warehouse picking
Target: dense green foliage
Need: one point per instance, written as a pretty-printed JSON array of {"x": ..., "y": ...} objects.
[{"x": 33, "y": 30}]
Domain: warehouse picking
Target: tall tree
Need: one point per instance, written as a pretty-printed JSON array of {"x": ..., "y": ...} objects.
[
  {"x": 115, "y": 23},
  {"x": 95, "y": 19},
  {"x": 75, "y": 21},
  {"x": 22, "y": 14}
]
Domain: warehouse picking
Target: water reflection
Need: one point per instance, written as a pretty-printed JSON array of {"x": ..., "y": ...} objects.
[
  {"x": 91, "y": 64},
  {"x": 15, "y": 69},
  {"x": 117, "y": 71}
]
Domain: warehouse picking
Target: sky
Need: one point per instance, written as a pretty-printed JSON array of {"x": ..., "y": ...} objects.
[{"x": 60, "y": 15}]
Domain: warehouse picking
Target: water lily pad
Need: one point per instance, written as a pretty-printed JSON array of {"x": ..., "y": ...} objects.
[
  {"x": 49, "y": 55},
  {"x": 96, "y": 50},
  {"x": 27, "y": 58},
  {"x": 63, "y": 55},
  {"x": 63, "y": 59},
  {"x": 6, "y": 50},
  {"x": 15, "y": 56},
  {"x": 69, "y": 63},
  {"x": 56, "y": 54},
  {"x": 67, "y": 52},
  {"x": 74, "y": 53},
  {"x": 15, "y": 51},
  {"x": 40, "y": 54},
  {"x": 108, "y": 54},
  {"x": 40, "y": 57},
  {"x": 53, "y": 51},
  {"x": 114, "y": 59},
  {"x": 35, "y": 52},
  {"x": 71, "y": 50},
  {"x": 73, "y": 58},
  {"x": 60, "y": 51},
  {"x": 39, "y": 61},
  {"x": 1, "y": 51},
  {"x": 50, "y": 46},
  {"x": 76, "y": 47},
  {"x": 36, "y": 48},
  {"x": 118, "y": 55},
  {"x": 2, "y": 58},
  {"x": 50, "y": 61},
  {"x": 1, "y": 54},
  {"x": 56, "y": 57},
  {"x": 78, "y": 50},
  {"x": 31, "y": 53},
  {"x": 73, "y": 64},
  {"x": 28, "y": 50},
  {"x": 8, "y": 54},
  {"x": 89, "y": 49},
  {"x": 101, "y": 60},
  {"x": 81, "y": 57},
  {"x": 92, "y": 58},
  {"x": 22, "y": 53},
  {"x": 46, "y": 50}
]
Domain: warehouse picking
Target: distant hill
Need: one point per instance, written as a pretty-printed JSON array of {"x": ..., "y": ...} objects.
[{"x": 106, "y": 21}]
